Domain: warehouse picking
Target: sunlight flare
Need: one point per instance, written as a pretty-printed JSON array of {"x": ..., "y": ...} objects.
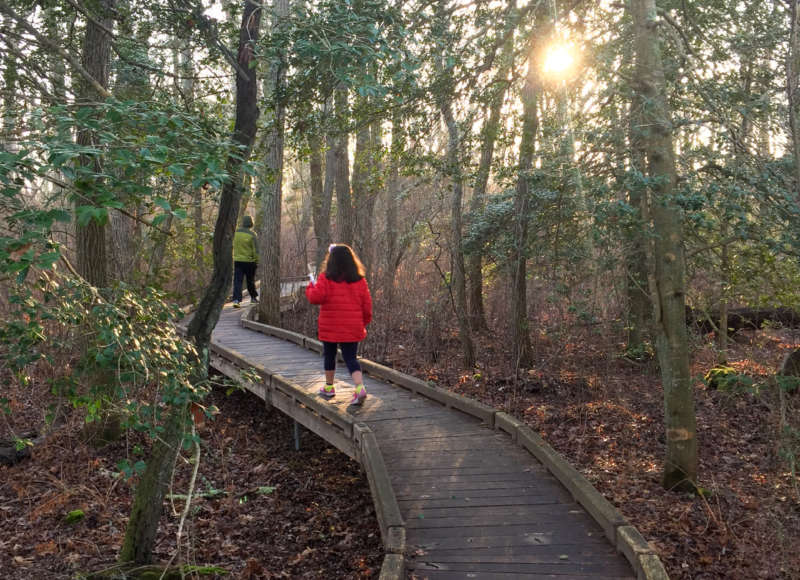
[{"x": 560, "y": 60}]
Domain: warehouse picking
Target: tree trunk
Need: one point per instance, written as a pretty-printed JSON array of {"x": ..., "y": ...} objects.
[
  {"x": 477, "y": 315},
  {"x": 320, "y": 200},
  {"x": 637, "y": 243},
  {"x": 10, "y": 98},
  {"x": 346, "y": 219},
  {"x": 520, "y": 336},
  {"x": 793, "y": 91},
  {"x": 392, "y": 257},
  {"x": 269, "y": 308},
  {"x": 360, "y": 184},
  {"x": 680, "y": 465},
  {"x": 90, "y": 239},
  {"x": 458, "y": 271},
  {"x": 148, "y": 501}
]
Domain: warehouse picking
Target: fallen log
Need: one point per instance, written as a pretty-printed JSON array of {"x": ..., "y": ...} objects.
[{"x": 742, "y": 319}]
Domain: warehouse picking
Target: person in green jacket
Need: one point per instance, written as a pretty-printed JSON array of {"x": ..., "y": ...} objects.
[{"x": 245, "y": 261}]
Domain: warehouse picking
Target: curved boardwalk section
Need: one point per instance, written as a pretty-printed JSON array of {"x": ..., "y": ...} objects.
[{"x": 473, "y": 502}]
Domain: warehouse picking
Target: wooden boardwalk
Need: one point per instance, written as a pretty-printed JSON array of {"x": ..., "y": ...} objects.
[{"x": 474, "y": 503}]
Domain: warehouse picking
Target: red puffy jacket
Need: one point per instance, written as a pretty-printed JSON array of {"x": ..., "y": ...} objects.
[{"x": 346, "y": 309}]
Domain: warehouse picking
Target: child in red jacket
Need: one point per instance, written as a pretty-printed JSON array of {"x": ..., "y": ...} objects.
[{"x": 346, "y": 309}]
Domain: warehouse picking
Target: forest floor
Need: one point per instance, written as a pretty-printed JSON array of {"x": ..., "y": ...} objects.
[{"x": 269, "y": 511}]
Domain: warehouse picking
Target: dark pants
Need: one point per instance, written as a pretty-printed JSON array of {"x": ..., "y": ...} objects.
[
  {"x": 349, "y": 350},
  {"x": 244, "y": 270}
]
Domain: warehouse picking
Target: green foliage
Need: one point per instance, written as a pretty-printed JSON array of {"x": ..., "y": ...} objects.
[
  {"x": 129, "y": 357},
  {"x": 787, "y": 383},
  {"x": 74, "y": 516},
  {"x": 641, "y": 352},
  {"x": 727, "y": 379}
]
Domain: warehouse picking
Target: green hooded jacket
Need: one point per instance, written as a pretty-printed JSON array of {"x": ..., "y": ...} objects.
[{"x": 245, "y": 245}]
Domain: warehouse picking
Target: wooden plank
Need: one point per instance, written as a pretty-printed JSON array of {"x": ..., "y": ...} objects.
[
  {"x": 505, "y": 539},
  {"x": 488, "y": 530},
  {"x": 600, "y": 566},
  {"x": 466, "y": 501},
  {"x": 529, "y": 553},
  {"x": 480, "y": 492},
  {"x": 550, "y": 508},
  {"x": 461, "y": 485},
  {"x": 451, "y": 575},
  {"x": 480, "y": 471},
  {"x": 578, "y": 517}
]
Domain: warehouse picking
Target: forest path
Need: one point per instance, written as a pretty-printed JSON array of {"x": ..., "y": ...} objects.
[{"x": 474, "y": 504}]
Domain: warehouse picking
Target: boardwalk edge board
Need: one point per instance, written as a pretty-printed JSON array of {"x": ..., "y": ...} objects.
[{"x": 621, "y": 534}]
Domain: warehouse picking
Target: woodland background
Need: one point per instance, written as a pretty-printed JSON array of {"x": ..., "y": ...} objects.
[{"x": 583, "y": 213}]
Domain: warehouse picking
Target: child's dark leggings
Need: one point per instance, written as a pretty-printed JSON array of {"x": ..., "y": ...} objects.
[{"x": 349, "y": 350}]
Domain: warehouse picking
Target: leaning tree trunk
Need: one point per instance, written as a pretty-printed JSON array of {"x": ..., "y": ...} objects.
[
  {"x": 148, "y": 501},
  {"x": 520, "y": 336},
  {"x": 90, "y": 238},
  {"x": 680, "y": 465},
  {"x": 269, "y": 238}
]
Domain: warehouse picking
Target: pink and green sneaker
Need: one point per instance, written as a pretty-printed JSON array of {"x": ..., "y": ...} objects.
[
  {"x": 327, "y": 391},
  {"x": 359, "y": 395}
]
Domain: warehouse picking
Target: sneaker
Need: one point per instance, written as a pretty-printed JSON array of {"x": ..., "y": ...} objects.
[
  {"x": 236, "y": 304},
  {"x": 359, "y": 395},
  {"x": 327, "y": 391},
  {"x": 254, "y": 301}
]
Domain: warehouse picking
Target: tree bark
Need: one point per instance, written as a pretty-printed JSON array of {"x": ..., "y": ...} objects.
[
  {"x": 320, "y": 200},
  {"x": 269, "y": 308},
  {"x": 637, "y": 244},
  {"x": 90, "y": 239},
  {"x": 149, "y": 497},
  {"x": 489, "y": 132},
  {"x": 346, "y": 219},
  {"x": 680, "y": 465},
  {"x": 520, "y": 336},
  {"x": 793, "y": 91}
]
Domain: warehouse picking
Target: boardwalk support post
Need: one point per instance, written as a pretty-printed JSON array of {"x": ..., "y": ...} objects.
[{"x": 296, "y": 435}]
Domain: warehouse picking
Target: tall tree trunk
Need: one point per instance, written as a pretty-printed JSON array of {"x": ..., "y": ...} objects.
[
  {"x": 393, "y": 252},
  {"x": 637, "y": 243},
  {"x": 90, "y": 238},
  {"x": 320, "y": 200},
  {"x": 148, "y": 501},
  {"x": 489, "y": 132},
  {"x": 453, "y": 170},
  {"x": 793, "y": 91},
  {"x": 10, "y": 98},
  {"x": 362, "y": 168},
  {"x": 346, "y": 219},
  {"x": 269, "y": 308},
  {"x": 520, "y": 336},
  {"x": 680, "y": 465},
  {"x": 328, "y": 185}
]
